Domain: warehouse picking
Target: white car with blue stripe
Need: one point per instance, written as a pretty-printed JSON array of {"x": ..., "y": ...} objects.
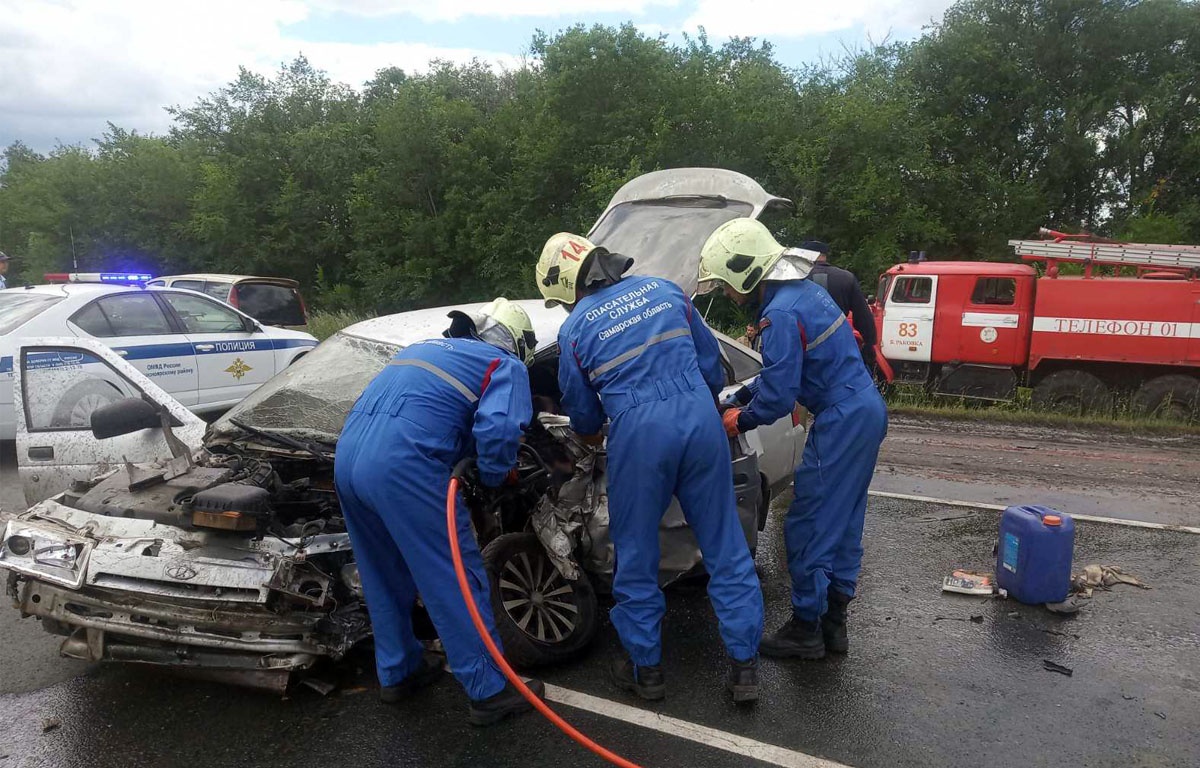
[{"x": 204, "y": 353}]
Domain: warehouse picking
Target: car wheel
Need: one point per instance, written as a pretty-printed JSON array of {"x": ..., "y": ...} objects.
[
  {"x": 541, "y": 616},
  {"x": 77, "y": 404}
]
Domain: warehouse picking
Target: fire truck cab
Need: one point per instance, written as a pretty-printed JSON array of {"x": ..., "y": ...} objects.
[
  {"x": 1128, "y": 323},
  {"x": 963, "y": 328}
]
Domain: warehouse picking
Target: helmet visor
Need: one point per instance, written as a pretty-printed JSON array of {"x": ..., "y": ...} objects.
[{"x": 499, "y": 336}]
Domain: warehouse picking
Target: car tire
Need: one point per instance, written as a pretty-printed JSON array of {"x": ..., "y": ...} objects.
[
  {"x": 1175, "y": 396},
  {"x": 1074, "y": 392},
  {"x": 77, "y": 403},
  {"x": 541, "y": 617}
]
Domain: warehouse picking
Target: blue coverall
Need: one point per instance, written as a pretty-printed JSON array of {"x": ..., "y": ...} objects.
[
  {"x": 810, "y": 357},
  {"x": 637, "y": 351},
  {"x": 435, "y": 403}
]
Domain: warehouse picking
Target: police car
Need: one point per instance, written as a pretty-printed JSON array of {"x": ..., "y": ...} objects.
[{"x": 206, "y": 354}]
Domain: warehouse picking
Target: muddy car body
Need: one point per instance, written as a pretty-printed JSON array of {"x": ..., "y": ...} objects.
[{"x": 228, "y": 554}]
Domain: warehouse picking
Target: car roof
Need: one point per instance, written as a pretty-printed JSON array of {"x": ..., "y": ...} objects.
[
  {"x": 985, "y": 268},
  {"x": 406, "y": 328},
  {"x": 224, "y": 278},
  {"x": 81, "y": 290}
]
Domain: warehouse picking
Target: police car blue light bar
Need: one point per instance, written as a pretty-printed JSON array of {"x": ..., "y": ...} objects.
[{"x": 107, "y": 278}]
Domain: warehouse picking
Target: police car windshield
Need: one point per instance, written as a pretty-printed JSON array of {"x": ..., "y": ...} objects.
[
  {"x": 664, "y": 237},
  {"x": 19, "y": 307},
  {"x": 312, "y": 397}
]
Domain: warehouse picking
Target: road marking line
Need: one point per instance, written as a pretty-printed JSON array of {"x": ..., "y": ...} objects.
[
  {"x": 1002, "y": 507},
  {"x": 709, "y": 737}
]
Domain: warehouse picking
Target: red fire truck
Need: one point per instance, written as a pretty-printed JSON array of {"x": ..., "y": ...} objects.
[{"x": 1129, "y": 323}]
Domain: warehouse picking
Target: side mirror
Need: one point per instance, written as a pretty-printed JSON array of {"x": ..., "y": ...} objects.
[
  {"x": 871, "y": 299},
  {"x": 124, "y": 417},
  {"x": 251, "y": 325}
]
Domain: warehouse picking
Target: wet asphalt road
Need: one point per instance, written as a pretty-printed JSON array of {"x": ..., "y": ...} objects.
[{"x": 925, "y": 685}]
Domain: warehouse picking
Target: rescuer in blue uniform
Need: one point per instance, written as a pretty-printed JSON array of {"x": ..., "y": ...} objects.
[
  {"x": 437, "y": 402},
  {"x": 635, "y": 350},
  {"x": 809, "y": 356}
]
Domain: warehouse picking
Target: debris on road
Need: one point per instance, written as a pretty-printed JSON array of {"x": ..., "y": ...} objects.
[
  {"x": 1068, "y": 607},
  {"x": 1104, "y": 577},
  {"x": 968, "y": 583},
  {"x": 1050, "y": 666},
  {"x": 322, "y": 687},
  {"x": 50, "y": 723}
]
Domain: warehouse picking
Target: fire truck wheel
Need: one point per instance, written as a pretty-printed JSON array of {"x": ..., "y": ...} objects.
[
  {"x": 1074, "y": 392},
  {"x": 1176, "y": 397}
]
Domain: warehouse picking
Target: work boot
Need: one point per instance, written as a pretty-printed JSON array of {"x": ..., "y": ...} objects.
[
  {"x": 742, "y": 681},
  {"x": 833, "y": 623},
  {"x": 647, "y": 682},
  {"x": 509, "y": 701},
  {"x": 425, "y": 675},
  {"x": 797, "y": 639}
]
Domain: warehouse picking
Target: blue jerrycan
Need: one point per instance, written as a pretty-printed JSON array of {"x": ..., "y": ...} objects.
[{"x": 1033, "y": 562}]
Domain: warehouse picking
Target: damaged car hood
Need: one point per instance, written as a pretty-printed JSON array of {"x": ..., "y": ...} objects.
[{"x": 662, "y": 219}]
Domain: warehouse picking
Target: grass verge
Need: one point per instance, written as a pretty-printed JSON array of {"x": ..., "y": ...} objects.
[{"x": 325, "y": 324}]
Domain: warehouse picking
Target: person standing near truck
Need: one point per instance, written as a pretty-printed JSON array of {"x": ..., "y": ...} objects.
[
  {"x": 810, "y": 357},
  {"x": 843, "y": 287}
]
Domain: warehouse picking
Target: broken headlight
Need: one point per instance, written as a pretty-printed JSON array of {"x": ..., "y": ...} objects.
[{"x": 44, "y": 553}]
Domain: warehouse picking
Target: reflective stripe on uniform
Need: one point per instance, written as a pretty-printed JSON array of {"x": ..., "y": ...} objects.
[
  {"x": 826, "y": 333},
  {"x": 463, "y": 389},
  {"x": 628, "y": 355}
]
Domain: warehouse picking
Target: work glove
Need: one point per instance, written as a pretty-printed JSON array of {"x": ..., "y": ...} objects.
[
  {"x": 730, "y": 420},
  {"x": 513, "y": 477}
]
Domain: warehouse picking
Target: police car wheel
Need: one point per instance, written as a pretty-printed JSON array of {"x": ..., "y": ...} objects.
[
  {"x": 541, "y": 616},
  {"x": 80, "y": 401}
]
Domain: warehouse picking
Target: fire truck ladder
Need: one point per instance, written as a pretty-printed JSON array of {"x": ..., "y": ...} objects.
[{"x": 1143, "y": 256}]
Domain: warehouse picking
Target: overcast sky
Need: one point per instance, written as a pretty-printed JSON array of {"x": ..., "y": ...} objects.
[{"x": 69, "y": 66}]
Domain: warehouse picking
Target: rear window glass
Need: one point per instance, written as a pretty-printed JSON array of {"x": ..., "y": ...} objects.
[
  {"x": 270, "y": 304},
  {"x": 995, "y": 290},
  {"x": 17, "y": 308},
  {"x": 219, "y": 291},
  {"x": 92, "y": 321}
]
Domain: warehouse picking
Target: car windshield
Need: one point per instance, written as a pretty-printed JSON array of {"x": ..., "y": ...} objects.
[
  {"x": 311, "y": 398},
  {"x": 19, "y": 307},
  {"x": 664, "y": 237}
]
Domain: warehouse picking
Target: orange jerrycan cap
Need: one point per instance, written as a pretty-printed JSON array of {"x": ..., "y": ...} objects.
[{"x": 1051, "y": 520}]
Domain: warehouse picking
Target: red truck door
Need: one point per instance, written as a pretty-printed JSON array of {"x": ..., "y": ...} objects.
[
  {"x": 996, "y": 321},
  {"x": 908, "y": 312}
]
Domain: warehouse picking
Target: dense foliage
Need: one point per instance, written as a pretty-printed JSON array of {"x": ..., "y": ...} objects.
[{"x": 441, "y": 187}]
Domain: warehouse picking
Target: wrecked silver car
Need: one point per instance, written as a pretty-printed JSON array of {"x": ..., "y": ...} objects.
[{"x": 228, "y": 554}]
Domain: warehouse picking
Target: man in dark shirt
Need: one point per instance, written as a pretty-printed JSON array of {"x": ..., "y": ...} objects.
[{"x": 843, "y": 286}]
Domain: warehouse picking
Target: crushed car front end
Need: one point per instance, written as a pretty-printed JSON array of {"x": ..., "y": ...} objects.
[{"x": 122, "y": 584}]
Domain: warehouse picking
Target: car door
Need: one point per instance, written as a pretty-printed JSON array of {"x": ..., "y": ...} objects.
[
  {"x": 233, "y": 354},
  {"x": 137, "y": 327},
  {"x": 908, "y": 318},
  {"x": 779, "y": 445},
  {"x": 54, "y": 445}
]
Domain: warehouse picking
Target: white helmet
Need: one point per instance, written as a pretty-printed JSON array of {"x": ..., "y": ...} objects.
[{"x": 501, "y": 323}]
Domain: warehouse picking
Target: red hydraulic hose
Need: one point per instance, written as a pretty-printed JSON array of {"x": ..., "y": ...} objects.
[{"x": 481, "y": 628}]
